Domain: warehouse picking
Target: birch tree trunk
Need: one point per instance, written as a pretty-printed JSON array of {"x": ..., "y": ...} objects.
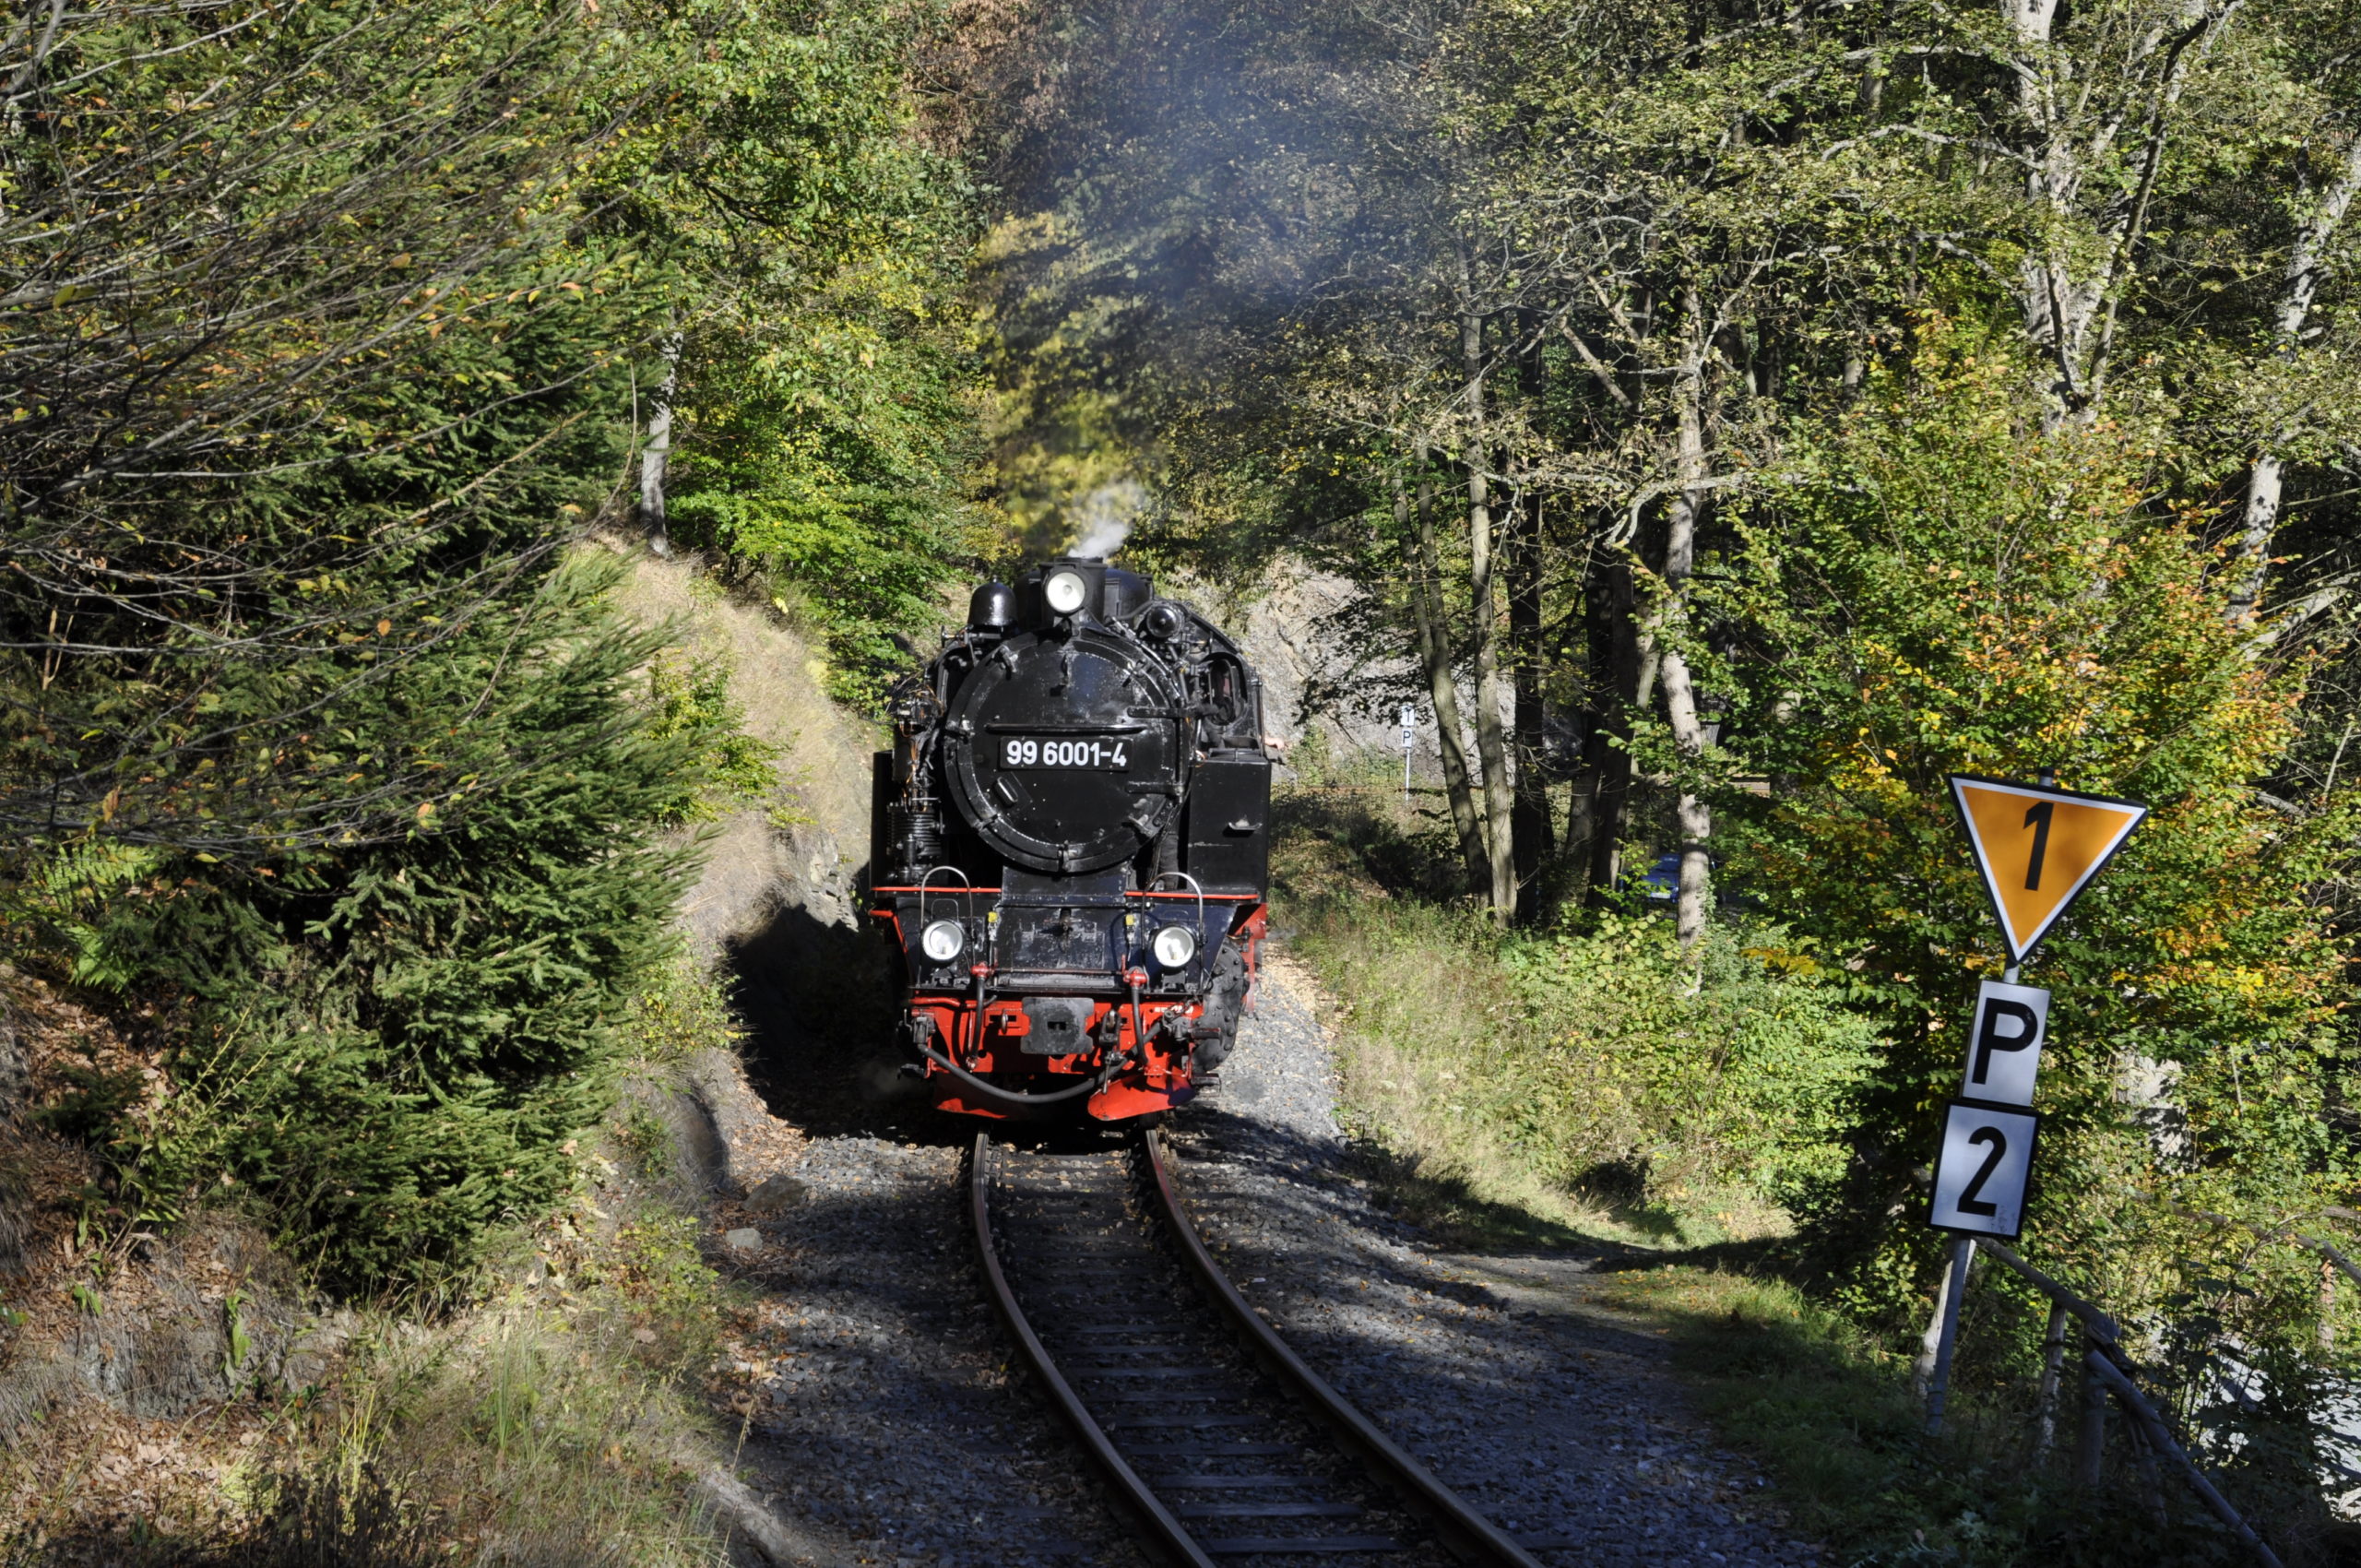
[
  {"x": 2055, "y": 311},
  {"x": 1695, "y": 898},
  {"x": 2259, "y": 519},
  {"x": 655, "y": 458},
  {"x": 2069, "y": 304},
  {"x": 1492, "y": 746},
  {"x": 1435, "y": 655}
]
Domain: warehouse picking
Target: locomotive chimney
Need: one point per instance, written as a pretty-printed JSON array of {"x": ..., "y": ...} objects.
[{"x": 992, "y": 608}]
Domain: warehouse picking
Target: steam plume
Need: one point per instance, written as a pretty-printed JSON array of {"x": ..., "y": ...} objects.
[{"x": 1106, "y": 514}]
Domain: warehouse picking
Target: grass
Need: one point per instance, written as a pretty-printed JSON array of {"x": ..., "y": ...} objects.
[
  {"x": 1448, "y": 1076},
  {"x": 1829, "y": 1409},
  {"x": 560, "y": 1418},
  {"x": 1566, "y": 1083},
  {"x": 556, "y": 1406},
  {"x": 1830, "y": 1412}
]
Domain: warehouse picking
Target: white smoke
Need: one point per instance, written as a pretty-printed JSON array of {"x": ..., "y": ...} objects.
[{"x": 1106, "y": 517}]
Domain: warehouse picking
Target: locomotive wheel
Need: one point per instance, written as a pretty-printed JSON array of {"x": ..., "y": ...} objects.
[{"x": 1217, "y": 1030}]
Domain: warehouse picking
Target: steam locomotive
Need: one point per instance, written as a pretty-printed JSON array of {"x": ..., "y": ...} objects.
[{"x": 1070, "y": 848}]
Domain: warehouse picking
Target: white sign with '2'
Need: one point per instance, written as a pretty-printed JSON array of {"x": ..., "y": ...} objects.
[
  {"x": 1981, "y": 1174},
  {"x": 2004, "y": 1043}
]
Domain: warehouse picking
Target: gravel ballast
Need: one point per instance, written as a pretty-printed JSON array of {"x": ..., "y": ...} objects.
[
  {"x": 882, "y": 1415},
  {"x": 881, "y": 1410}
]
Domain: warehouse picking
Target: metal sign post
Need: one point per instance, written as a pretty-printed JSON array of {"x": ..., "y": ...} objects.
[
  {"x": 1409, "y": 731},
  {"x": 2037, "y": 847}
]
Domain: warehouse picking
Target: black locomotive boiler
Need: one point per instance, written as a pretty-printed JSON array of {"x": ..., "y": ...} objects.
[{"x": 1070, "y": 846}]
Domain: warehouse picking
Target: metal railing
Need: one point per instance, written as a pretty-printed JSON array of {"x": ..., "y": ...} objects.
[{"x": 2107, "y": 1372}]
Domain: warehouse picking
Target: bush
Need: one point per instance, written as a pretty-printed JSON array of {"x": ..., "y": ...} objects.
[
  {"x": 1577, "y": 1067},
  {"x": 388, "y": 1048},
  {"x": 691, "y": 698},
  {"x": 1734, "y": 1070},
  {"x": 1941, "y": 586}
]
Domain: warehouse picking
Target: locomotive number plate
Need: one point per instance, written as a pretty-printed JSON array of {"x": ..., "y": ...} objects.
[{"x": 1113, "y": 754}]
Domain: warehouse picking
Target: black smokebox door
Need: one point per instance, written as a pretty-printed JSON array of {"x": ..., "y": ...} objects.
[{"x": 1065, "y": 754}]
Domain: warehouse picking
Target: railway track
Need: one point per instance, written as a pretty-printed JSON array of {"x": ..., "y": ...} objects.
[{"x": 1222, "y": 1444}]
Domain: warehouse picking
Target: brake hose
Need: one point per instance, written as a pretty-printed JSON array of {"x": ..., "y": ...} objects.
[{"x": 1010, "y": 1096}]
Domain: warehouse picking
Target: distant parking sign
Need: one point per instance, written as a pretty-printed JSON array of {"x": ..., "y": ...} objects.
[{"x": 1981, "y": 1173}]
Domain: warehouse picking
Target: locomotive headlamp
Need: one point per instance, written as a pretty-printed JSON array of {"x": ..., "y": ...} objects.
[
  {"x": 1065, "y": 592},
  {"x": 1173, "y": 946},
  {"x": 943, "y": 941}
]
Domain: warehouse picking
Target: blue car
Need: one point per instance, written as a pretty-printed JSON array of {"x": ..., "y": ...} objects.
[{"x": 1662, "y": 880}]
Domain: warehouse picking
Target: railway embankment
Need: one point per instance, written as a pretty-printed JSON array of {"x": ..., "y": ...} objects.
[
  {"x": 1560, "y": 1417},
  {"x": 169, "y": 1388},
  {"x": 879, "y": 1406},
  {"x": 757, "y": 1330},
  {"x": 885, "y": 1408}
]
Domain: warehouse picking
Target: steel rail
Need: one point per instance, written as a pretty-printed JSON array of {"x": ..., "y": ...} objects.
[
  {"x": 1465, "y": 1532},
  {"x": 1161, "y": 1526}
]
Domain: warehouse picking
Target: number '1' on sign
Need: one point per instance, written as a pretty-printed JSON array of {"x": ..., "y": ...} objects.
[
  {"x": 2037, "y": 846},
  {"x": 1981, "y": 1174}
]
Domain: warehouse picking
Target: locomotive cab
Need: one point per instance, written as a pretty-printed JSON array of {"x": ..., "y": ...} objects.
[{"x": 1070, "y": 845}]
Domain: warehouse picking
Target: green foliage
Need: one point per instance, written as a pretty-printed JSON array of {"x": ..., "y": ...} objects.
[
  {"x": 676, "y": 1013},
  {"x": 1941, "y": 589},
  {"x": 655, "y": 1265},
  {"x": 1583, "y": 1064},
  {"x": 692, "y": 698},
  {"x": 388, "y": 1047},
  {"x": 313, "y": 728},
  {"x": 240, "y": 1342},
  {"x": 58, "y": 899},
  {"x": 869, "y": 545},
  {"x": 1729, "y": 1070},
  {"x": 406, "y": 400},
  {"x": 1599, "y": 1066},
  {"x": 566, "y": 1423},
  {"x": 824, "y": 373}
]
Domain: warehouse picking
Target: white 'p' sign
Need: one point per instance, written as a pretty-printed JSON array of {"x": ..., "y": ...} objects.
[
  {"x": 2004, "y": 1043},
  {"x": 1980, "y": 1175}
]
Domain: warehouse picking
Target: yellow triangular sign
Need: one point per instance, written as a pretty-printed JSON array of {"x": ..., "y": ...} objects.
[{"x": 2037, "y": 849}]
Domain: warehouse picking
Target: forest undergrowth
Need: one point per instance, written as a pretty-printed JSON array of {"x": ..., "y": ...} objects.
[
  {"x": 1577, "y": 1077},
  {"x": 559, "y": 1404}
]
